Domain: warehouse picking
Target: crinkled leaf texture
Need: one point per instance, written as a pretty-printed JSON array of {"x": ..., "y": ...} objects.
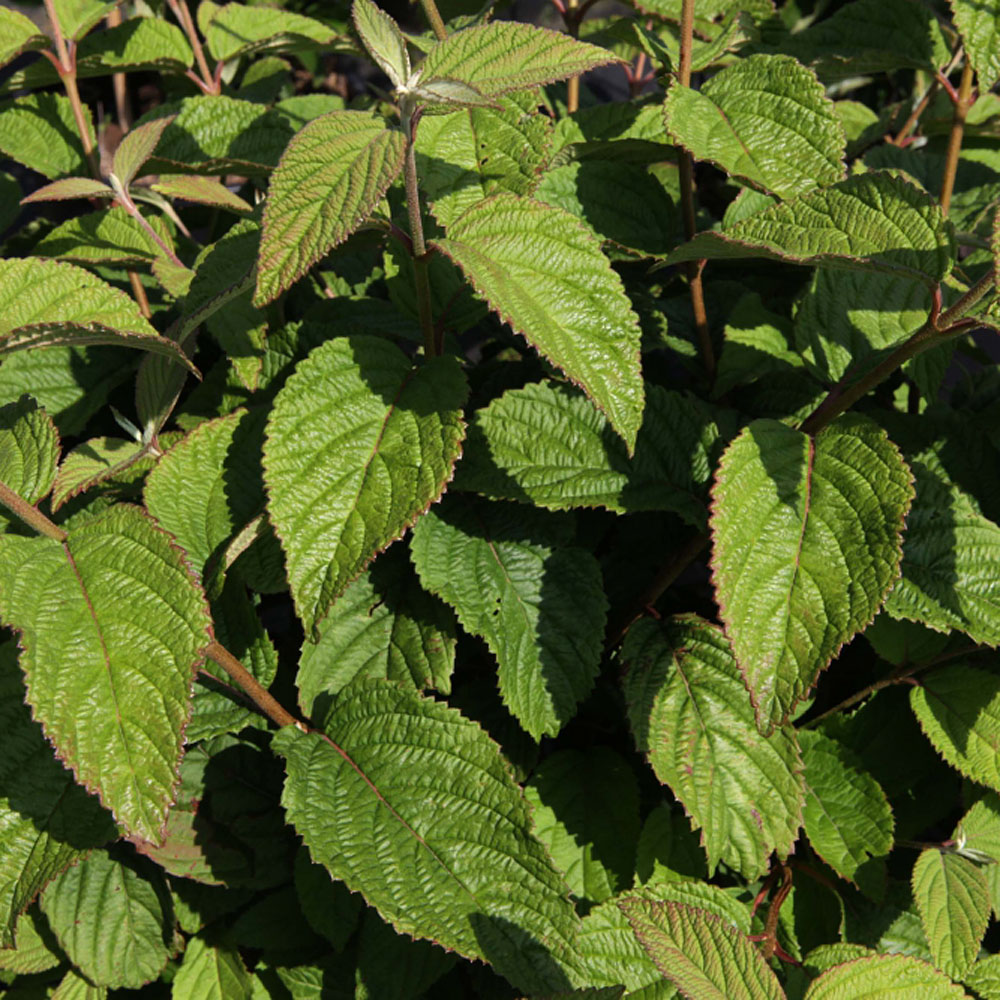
[
  {"x": 359, "y": 443},
  {"x": 690, "y": 714},
  {"x": 29, "y": 449},
  {"x": 807, "y": 543},
  {"x": 111, "y": 627},
  {"x": 211, "y": 972},
  {"x": 412, "y": 805},
  {"x": 953, "y": 898},
  {"x": 765, "y": 119},
  {"x": 136, "y": 148},
  {"x": 328, "y": 182},
  {"x": 91, "y": 463},
  {"x": 979, "y": 24},
  {"x": 700, "y": 953},
  {"x": 504, "y": 56},
  {"x": 544, "y": 274},
  {"x": 40, "y": 131},
  {"x": 873, "y": 220},
  {"x": 108, "y": 236},
  {"x": 75, "y": 986},
  {"x": 884, "y": 977},
  {"x": 515, "y": 578},
  {"x": 383, "y": 39},
  {"x": 237, "y": 29}
]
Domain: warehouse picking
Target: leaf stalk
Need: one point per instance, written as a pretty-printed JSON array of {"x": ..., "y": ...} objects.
[{"x": 30, "y": 514}]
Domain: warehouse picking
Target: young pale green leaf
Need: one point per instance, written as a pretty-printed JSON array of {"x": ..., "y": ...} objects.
[
  {"x": 949, "y": 552},
  {"x": 765, "y": 119},
  {"x": 29, "y": 449},
  {"x": 108, "y": 236},
  {"x": 958, "y": 709},
  {"x": 504, "y": 56},
  {"x": 875, "y": 220},
  {"x": 690, "y": 714},
  {"x": 237, "y": 29},
  {"x": 70, "y": 187},
  {"x": 110, "y": 921},
  {"x": 450, "y": 92},
  {"x": 984, "y": 977},
  {"x": 546, "y": 444},
  {"x": 77, "y": 17},
  {"x": 40, "y": 131},
  {"x": 953, "y": 898},
  {"x": 545, "y": 275},
  {"x": 383, "y": 39},
  {"x": 202, "y": 190},
  {"x": 74, "y": 986},
  {"x": 112, "y": 620},
  {"x": 211, "y": 972},
  {"x": 378, "y": 806},
  {"x": 91, "y": 463},
  {"x": 846, "y": 814},
  {"x": 18, "y": 34},
  {"x": 136, "y": 148},
  {"x": 515, "y": 579},
  {"x": 384, "y": 625},
  {"x": 884, "y": 977},
  {"x": 979, "y": 26},
  {"x": 700, "y": 953},
  {"x": 328, "y": 182},
  {"x": 807, "y": 543},
  {"x": 337, "y": 500}
]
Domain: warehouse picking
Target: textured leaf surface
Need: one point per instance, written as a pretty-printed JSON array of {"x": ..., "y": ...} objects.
[
  {"x": 801, "y": 524},
  {"x": 984, "y": 977},
  {"x": 328, "y": 182},
  {"x": 383, "y": 39},
  {"x": 384, "y": 625},
  {"x": 69, "y": 187},
  {"x": 203, "y": 190},
  {"x": 699, "y": 953},
  {"x": 111, "y": 626},
  {"x": 690, "y": 714},
  {"x": 546, "y": 444},
  {"x": 884, "y": 977},
  {"x": 40, "y": 132},
  {"x": 110, "y": 922},
  {"x": 504, "y": 56},
  {"x": 949, "y": 553},
  {"x": 136, "y": 148},
  {"x": 73, "y": 986},
  {"x": 29, "y": 449},
  {"x": 979, "y": 25},
  {"x": 211, "y": 972},
  {"x": 109, "y": 236},
  {"x": 846, "y": 814},
  {"x": 958, "y": 709},
  {"x": 515, "y": 579},
  {"x": 379, "y": 810},
  {"x": 953, "y": 898},
  {"x": 337, "y": 499},
  {"x": 765, "y": 119},
  {"x": 77, "y": 17},
  {"x": 545, "y": 275},
  {"x": 873, "y": 220},
  {"x": 18, "y": 34},
  {"x": 238, "y": 29},
  {"x": 91, "y": 463}
]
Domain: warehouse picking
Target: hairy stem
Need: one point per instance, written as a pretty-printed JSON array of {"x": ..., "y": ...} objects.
[
  {"x": 433, "y": 16},
  {"x": 572, "y": 19},
  {"x": 183, "y": 15},
  {"x": 262, "y": 698},
  {"x": 30, "y": 514},
  {"x": 962, "y": 104},
  {"x": 421, "y": 276}
]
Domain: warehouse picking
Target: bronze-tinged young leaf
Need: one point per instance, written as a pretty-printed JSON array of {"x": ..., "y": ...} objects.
[
  {"x": 111, "y": 626},
  {"x": 69, "y": 187},
  {"x": 543, "y": 273},
  {"x": 807, "y": 543},
  {"x": 884, "y": 977},
  {"x": 328, "y": 182},
  {"x": 689, "y": 712},
  {"x": 413, "y": 806},
  {"x": 359, "y": 443},
  {"x": 136, "y": 148},
  {"x": 383, "y": 39},
  {"x": 203, "y": 190}
]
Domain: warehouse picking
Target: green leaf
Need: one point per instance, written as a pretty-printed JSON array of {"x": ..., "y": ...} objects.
[
  {"x": 377, "y": 808},
  {"x": 454, "y": 172},
  {"x": 807, "y": 543},
  {"x": 74, "y": 986},
  {"x": 699, "y": 953},
  {"x": 77, "y": 17},
  {"x": 136, "y": 148},
  {"x": 202, "y": 190},
  {"x": 18, "y": 34},
  {"x": 875, "y": 220},
  {"x": 546, "y": 276},
  {"x": 884, "y": 977},
  {"x": 690, "y": 714},
  {"x": 211, "y": 972},
  {"x": 46, "y": 821},
  {"x": 110, "y": 921},
  {"x": 239, "y": 30},
  {"x": 110, "y": 619},
  {"x": 846, "y": 815},
  {"x": 515, "y": 579},
  {"x": 35, "y": 949},
  {"x": 337, "y": 501},
  {"x": 979, "y": 26},
  {"x": 69, "y": 187},
  {"x": 384, "y": 625},
  {"x": 328, "y": 182},
  {"x": 40, "y": 132},
  {"x": 757, "y": 343},
  {"x": 505, "y": 55},
  {"x": 765, "y": 119},
  {"x": 383, "y": 39},
  {"x": 108, "y": 236},
  {"x": 954, "y": 903},
  {"x": 91, "y": 463},
  {"x": 29, "y": 449},
  {"x": 984, "y": 977},
  {"x": 546, "y": 444},
  {"x": 958, "y": 709},
  {"x": 45, "y": 302},
  {"x": 948, "y": 554}
]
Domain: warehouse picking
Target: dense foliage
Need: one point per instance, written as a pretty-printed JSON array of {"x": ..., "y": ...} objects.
[{"x": 500, "y": 510}]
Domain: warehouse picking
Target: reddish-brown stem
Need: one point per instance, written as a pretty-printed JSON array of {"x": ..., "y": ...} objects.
[
  {"x": 921, "y": 106},
  {"x": 770, "y": 940},
  {"x": 30, "y": 514},
  {"x": 130, "y": 206},
  {"x": 122, "y": 107},
  {"x": 261, "y": 697},
  {"x": 572, "y": 19},
  {"x": 963, "y": 102},
  {"x": 421, "y": 275},
  {"x": 433, "y": 16},
  {"x": 139, "y": 294},
  {"x": 183, "y": 15}
]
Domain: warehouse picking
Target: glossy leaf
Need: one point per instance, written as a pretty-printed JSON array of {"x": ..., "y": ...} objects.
[
  {"x": 377, "y": 808},
  {"x": 211, "y": 972},
  {"x": 39, "y": 131},
  {"x": 110, "y": 620},
  {"x": 690, "y": 715},
  {"x": 542, "y": 273},
  {"x": 237, "y": 29},
  {"x": 383, "y": 39},
  {"x": 338, "y": 500},
  {"x": 328, "y": 182},
  {"x": 514, "y": 578},
  {"x": 29, "y": 449},
  {"x": 884, "y": 977},
  {"x": 807, "y": 543},
  {"x": 765, "y": 119}
]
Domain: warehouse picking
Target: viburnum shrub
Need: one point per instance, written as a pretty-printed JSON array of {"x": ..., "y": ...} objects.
[{"x": 500, "y": 511}]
